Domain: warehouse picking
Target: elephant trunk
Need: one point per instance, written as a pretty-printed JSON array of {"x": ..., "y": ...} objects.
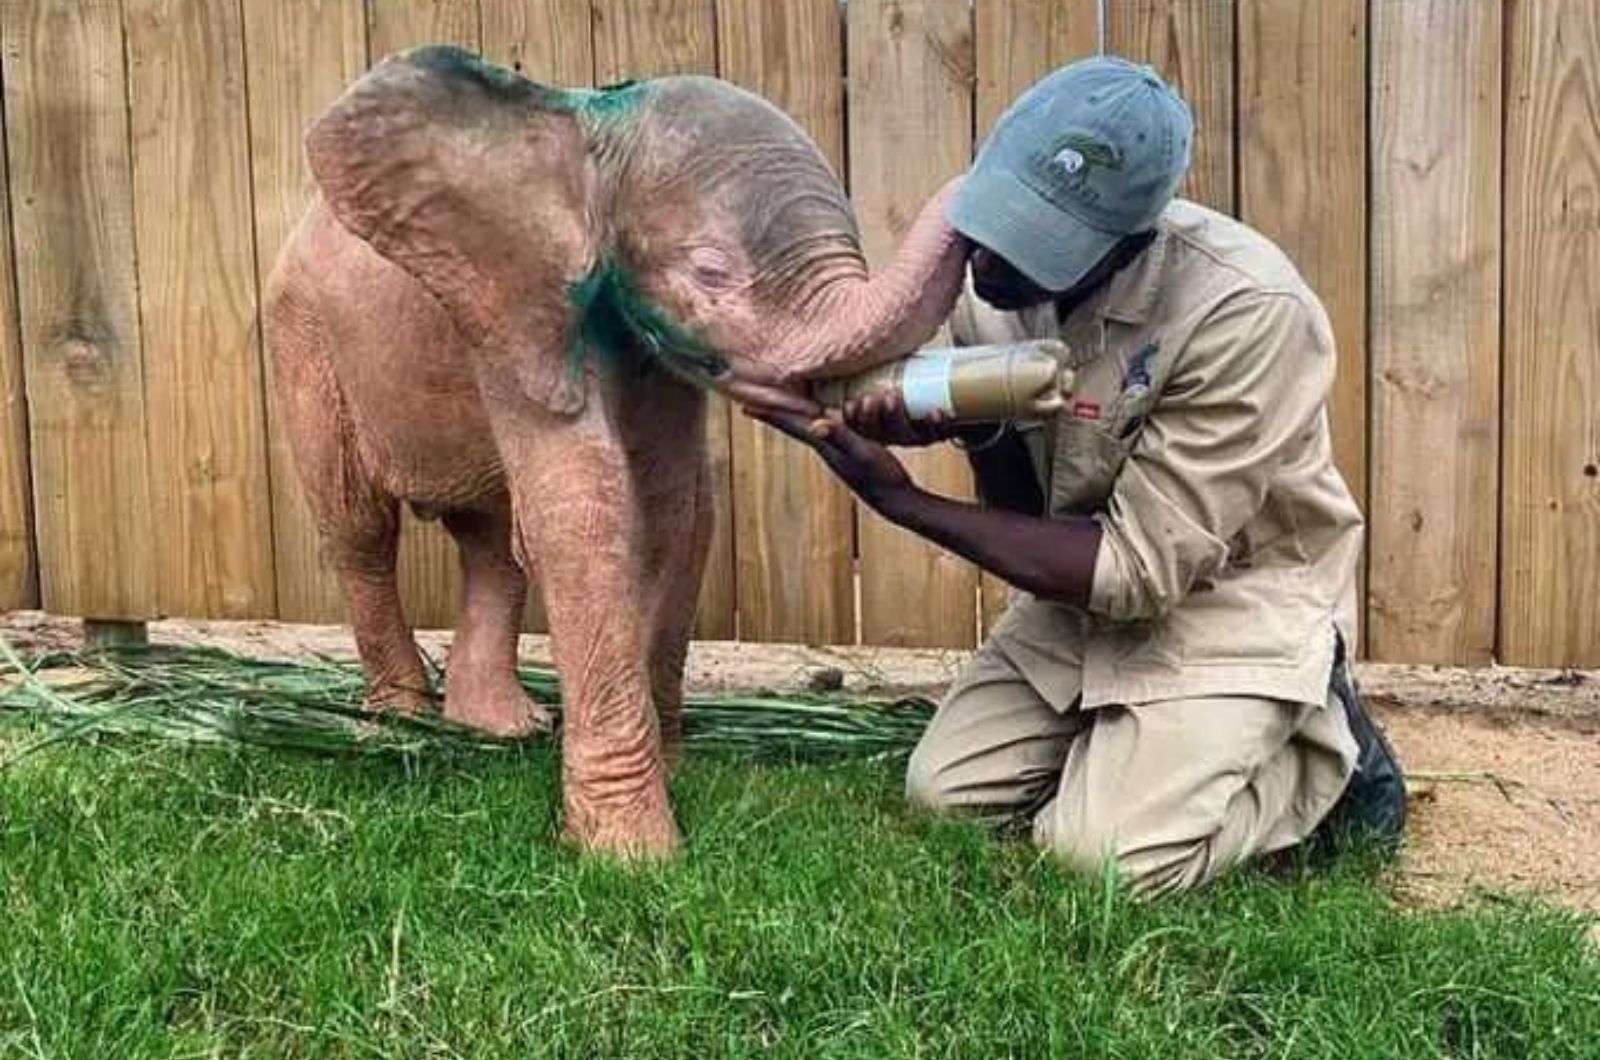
[{"x": 859, "y": 321}]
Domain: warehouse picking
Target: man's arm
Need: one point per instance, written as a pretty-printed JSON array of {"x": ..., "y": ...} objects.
[
  {"x": 1247, "y": 392},
  {"x": 1051, "y": 558}
]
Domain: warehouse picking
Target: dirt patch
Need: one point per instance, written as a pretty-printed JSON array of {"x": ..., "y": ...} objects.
[
  {"x": 1499, "y": 804},
  {"x": 1505, "y": 762},
  {"x": 1568, "y": 697}
]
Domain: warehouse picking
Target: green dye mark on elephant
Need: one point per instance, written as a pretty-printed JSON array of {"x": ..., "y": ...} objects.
[
  {"x": 609, "y": 101},
  {"x": 613, "y": 317},
  {"x": 458, "y": 64}
]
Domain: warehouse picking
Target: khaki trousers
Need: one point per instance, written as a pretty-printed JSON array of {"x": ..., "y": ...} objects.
[{"x": 1171, "y": 793}]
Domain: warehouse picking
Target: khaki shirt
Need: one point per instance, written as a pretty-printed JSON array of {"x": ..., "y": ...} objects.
[{"x": 1197, "y": 436}]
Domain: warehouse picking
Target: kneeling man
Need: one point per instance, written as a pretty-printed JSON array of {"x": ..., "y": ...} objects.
[{"x": 1169, "y": 689}]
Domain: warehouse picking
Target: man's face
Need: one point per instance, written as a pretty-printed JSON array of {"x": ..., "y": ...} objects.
[{"x": 1002, "y": 285}]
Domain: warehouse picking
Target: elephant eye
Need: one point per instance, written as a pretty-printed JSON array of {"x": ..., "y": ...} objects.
[{"x": 712, "y": 268}]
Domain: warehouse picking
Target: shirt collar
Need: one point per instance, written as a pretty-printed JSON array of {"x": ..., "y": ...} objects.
[{"x": 1131, "y": 294}]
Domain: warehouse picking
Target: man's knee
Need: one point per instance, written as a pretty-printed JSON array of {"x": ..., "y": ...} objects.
[
  {"x": 1149, "y": 869},
  {"x": 927, "y": 784},
  {"x": 993, "y": 748},
  {"x": 1158, "y": 871}
]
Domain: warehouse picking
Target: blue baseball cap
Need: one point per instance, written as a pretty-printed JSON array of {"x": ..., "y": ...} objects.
[{"x": 1090, "y": 154}]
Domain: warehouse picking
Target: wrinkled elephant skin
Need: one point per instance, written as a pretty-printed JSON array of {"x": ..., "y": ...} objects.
[{"x": 503, "y": 309}]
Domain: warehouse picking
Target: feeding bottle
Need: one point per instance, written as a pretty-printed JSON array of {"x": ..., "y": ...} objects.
[{"x": 1026, "y": 380}]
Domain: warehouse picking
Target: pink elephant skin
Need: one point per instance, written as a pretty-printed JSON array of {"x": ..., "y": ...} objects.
[{"x": 504, "y": 308}]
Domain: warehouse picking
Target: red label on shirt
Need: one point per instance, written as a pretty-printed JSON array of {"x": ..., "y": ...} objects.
[{"x": 1086, "y": 410}]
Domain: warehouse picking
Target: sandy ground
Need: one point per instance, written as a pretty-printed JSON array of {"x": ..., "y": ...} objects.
[{"x": 1504, "y": 763}]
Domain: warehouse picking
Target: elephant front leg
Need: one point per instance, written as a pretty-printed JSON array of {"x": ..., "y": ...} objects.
[
  {"x": 678, "y": 525},
  {"x": 578, "y": 516}
]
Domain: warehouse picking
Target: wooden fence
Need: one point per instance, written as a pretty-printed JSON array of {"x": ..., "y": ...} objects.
[{"x": 1432, "y": 165}]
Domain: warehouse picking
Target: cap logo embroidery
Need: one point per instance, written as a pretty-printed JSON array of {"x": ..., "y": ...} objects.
[
  {"x": 1079, "y": 151},
  {"x": 1069, "y": 159}
]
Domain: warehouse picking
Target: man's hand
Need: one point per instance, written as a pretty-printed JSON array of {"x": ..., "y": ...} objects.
[
  {"x": 768, "y": 396},
  {"x": 868, "y": 468},
  {"x": 876, "y": 417},
  {"x": 882, "y": 418}
]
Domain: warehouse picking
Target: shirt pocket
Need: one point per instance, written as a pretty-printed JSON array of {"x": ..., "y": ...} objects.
[
  {"x": 1261, "y": 616},
  {"x": 1089, "y": 454}
]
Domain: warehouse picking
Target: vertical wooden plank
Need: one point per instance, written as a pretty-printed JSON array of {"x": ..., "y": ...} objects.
[
  {"x": 1016, "y": 43},
  {"x": 1550, "y": 600},
  {"x": 911, "y": 81},
  {"x": 395, "y": 25},
  {"x": 652, "y": 38},
  {"x": 1303, "y": 173},
  {"x": 1019, "y": 41},
  {"x": 1190, "y": 42},
  {"x": 19, "y": 584},
  {"x": 793, "y": 519},
  {"x": 1435, "y": 329},
  {"x": 66, "y": 105},
  {"x": 1303, "y": 176},
  {"x": 430, "y": 574},
  {"x": 203, "y": 381},
  {"x": 547, "y": 40},
  {"x": 550, "y": 41},
  {"x": 299, "y": 56}
]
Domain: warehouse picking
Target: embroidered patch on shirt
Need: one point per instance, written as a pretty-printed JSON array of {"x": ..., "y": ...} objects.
[{"x": 1139, "y": 368}]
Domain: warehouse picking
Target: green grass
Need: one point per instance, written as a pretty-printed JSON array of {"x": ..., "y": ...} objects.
[{"x": 405, "y": 895}]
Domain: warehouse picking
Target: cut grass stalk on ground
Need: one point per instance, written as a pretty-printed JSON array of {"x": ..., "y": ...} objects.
[
  {"x": 159, "y": 899},
  {"x": 202, "y": 695}
]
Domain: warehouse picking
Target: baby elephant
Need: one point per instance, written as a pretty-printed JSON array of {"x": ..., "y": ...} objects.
[{"x": 503, "y": 309}]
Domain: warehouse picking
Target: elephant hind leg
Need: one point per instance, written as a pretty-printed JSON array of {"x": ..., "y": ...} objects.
[
  {"x": 364, "y": 557},
  {"x": 360, "y": 529},
  {"x": 358, "y": 521},
  {"x": 481, "y": 687}
]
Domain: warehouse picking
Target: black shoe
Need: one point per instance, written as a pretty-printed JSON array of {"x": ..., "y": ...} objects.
[{"x": 1373, "y": 806}]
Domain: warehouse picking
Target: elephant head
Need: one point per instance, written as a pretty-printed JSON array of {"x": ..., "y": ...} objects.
[{"x": 681, "y": 218}]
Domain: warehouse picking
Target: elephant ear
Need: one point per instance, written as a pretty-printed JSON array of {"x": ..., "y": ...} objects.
[{"x": 468, "y": 178}]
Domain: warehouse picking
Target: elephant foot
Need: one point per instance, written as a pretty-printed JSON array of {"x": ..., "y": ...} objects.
[
  {"x": 640, "y": 830},
  {"x": 506, "y": 712},
  {"x": 397, "y": 699}
]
